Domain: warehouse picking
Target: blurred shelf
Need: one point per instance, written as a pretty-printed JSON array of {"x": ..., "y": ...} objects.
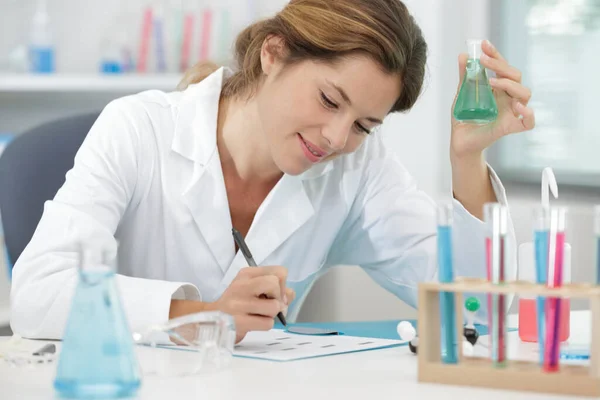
[{"x": 86, "y": 83}]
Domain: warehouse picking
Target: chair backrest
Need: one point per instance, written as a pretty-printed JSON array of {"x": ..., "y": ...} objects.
[{"x": 32, "y": 169}]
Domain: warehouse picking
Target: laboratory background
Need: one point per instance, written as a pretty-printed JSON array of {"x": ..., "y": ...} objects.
[{"x": 66, "y": 57}]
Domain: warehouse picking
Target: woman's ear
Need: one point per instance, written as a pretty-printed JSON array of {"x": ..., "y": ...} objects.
[{"x": 271, "y": 53}]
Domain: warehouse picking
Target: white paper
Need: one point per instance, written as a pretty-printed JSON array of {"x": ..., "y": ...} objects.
[{"x": 278, "y": 345}]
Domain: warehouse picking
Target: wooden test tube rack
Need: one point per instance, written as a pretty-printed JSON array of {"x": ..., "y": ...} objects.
[{"x": 516, "y": 375}]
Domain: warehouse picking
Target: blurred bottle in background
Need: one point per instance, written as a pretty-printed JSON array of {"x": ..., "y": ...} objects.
[
  {"x": 41, "y": 45},
  {"x": 115, "y": 46},
  {"x": 110, "y": 57}
]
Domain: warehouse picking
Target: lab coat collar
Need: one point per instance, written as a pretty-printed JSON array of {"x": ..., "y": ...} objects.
[{"x": 195, "y": 131}]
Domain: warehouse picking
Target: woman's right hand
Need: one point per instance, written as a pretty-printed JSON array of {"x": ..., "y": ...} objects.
[{"x": 255, "y": 297}]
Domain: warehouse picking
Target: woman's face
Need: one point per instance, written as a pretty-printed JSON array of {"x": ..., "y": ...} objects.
[{"x": 312, "y": 112}]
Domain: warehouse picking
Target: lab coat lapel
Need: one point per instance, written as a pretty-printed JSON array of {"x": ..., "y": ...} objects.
[
  {"x": 286, "y": 209},
  {"x": 205, "y": 194},
  {"x": 206, "y": 198}
]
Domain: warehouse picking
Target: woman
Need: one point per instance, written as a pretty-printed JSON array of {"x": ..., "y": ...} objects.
[{"x": 284, "y": 150}]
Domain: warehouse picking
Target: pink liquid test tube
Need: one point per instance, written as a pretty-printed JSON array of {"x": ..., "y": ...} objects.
[
  {"x": 555, "y": 280},
  {"x": 529, "y": 255}
]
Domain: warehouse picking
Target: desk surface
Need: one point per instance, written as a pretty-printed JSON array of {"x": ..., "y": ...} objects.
[{"x": 386, "y": 372}]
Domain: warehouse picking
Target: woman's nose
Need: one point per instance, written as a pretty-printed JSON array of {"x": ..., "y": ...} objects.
[{"x": 336, "y": 137}]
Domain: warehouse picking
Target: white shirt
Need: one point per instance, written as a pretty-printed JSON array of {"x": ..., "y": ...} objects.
[{"x": 148, "y": 177}]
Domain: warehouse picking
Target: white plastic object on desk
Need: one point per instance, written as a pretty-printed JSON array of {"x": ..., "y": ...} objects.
[
  {"x": 527, "y": 272},
  {"x": 467, "y": 348},
  {"x": 406, "y": 331}
]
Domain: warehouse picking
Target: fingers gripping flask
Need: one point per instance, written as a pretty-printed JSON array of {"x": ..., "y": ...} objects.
[
  {"x": 475, "y": 102},
  {"x": 97, "y": 358}
]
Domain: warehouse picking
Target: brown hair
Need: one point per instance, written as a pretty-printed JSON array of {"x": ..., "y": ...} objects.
[{"x": 326, "y": 30}]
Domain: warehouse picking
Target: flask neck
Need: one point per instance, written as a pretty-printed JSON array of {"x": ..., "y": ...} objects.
[{"x": 474, "y": 49}]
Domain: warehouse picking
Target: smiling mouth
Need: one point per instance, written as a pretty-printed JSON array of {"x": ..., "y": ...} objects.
[{"x": 313, "y": 151}]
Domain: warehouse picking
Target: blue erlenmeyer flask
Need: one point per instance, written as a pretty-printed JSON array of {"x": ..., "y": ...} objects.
[{"x": 97, "y": 358}]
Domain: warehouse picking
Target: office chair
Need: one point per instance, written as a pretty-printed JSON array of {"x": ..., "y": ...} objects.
[{"x": 32, "y": 169}]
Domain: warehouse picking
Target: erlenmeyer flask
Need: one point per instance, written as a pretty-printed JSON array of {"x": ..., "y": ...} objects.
[
  {"x": 475, "y": 102},
  {"x": 97, "y": 358}
]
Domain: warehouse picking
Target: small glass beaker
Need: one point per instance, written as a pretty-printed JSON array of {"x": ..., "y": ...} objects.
[
  {"x": 193, "y": 344},
  {"x": 97, "y": 358}
]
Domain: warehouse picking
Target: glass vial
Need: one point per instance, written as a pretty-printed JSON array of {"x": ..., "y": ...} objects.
[
  {"x": 496, "y": 221},
  {"x": 554, "y": 318},
  {"x": 475, "y": 102},
  {"x": 445, "y": 216}
]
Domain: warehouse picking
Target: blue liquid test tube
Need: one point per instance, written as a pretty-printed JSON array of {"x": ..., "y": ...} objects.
[
  {"x": 541, "y": 234},
  {"x": 446, "y": 275}
]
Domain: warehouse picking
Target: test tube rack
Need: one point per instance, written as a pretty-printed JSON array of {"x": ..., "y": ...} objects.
[{"x": 579, "y": 380}]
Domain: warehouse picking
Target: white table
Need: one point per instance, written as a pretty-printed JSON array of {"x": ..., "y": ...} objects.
[{"x": 387, "y": 372}]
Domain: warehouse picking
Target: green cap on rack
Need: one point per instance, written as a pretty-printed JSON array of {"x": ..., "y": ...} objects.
[{"x": 472, "y": 304}]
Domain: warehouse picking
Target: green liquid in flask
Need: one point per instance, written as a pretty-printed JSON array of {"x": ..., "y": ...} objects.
[{"x": 475, "y": 102}]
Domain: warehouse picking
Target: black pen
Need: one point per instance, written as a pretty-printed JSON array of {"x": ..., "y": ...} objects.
[{"x": 250, "y": 260}]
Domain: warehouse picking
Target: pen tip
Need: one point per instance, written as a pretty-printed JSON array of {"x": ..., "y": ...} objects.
[{"x": 282, "y": 319}]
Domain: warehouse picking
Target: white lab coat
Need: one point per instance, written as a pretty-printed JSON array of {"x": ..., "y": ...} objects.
[{"x": 148, "y": 177}]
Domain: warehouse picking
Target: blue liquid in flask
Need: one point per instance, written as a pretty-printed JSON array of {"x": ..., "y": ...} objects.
[{"x": 97, "y": 359}]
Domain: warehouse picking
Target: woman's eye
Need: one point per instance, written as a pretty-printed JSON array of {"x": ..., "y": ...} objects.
[
  {"x": 328, "y": 103},
  {"x": 331, "y": 105},
  {"x": 362, "y": 129}
]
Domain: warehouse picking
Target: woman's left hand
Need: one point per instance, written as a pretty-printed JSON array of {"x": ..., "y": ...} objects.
[{"x": 512, "y": 99}]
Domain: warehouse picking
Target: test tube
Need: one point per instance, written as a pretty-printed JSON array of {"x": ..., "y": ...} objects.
[
  {"x": 446, "y": 275},
  {"x": 555, "y": 278},
  {"x": 496, "y": 220},
  {"x": 597, "y": 234},
  {"x": 541, "y": 233}
]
